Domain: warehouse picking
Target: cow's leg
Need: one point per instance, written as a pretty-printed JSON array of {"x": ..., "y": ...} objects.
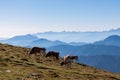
[{"x": 70, "y": 64}]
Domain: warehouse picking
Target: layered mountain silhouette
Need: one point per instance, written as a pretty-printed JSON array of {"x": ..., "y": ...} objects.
[
  {"x": 73, "y": 38},
  {"x": 78, "y": 36},
  {"x": 99, "y": 54},
  {"x": 22, "y": 40},
  {"x": 45, "y": 43},
  {"x": 30, "y": 40},
  {"x": 111, "y": 40}
]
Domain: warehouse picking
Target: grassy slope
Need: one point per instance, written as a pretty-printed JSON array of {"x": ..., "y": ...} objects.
[{"x": 15, "y": 64}]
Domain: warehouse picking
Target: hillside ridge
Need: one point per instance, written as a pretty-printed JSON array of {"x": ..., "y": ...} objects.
[{"x": 15, "y": 64}]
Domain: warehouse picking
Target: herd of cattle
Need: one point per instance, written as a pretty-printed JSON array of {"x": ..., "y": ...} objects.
[{"x": 67, "y": 60}]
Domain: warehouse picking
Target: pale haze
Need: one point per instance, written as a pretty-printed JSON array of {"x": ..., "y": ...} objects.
[{"x": 18, "y": 17}]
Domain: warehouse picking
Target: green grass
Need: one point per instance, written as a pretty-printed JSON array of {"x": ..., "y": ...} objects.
[{"x": 21, "y": 66}]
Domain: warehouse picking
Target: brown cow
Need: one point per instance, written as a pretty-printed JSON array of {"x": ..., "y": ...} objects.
[
  {"x": 54, "y": 54},
  {"x": 36, "y": 50},
  {"x": 68, "y": 60},
  {"x": 74, "y": 57}
]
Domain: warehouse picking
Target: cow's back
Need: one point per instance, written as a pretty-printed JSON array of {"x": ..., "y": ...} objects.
[{"x": 34, "y": 50}]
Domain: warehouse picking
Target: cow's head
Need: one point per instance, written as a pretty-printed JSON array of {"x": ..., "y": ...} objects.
[{"x": 62, "y": 63}]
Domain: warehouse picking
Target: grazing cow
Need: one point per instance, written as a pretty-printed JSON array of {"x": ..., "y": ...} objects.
[
  {"x": 74, "y": 57},
  {"x": 54, "y": 54},
  {"x": 68, "y": 60},
  {"x": 36, "y": 50}
]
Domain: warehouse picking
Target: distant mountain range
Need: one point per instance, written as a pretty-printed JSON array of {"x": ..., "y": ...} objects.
[
  {"x": 22, "y": 40},
  {"x": 73, "y": 38},
  {"x": 45, "y": 43},
  {"x": 87, "y": 37},
  {"x": 111, "y": 42},
  {"x": 30, "y": 40},
  {"x": 109, "y": 45},
  {"x": 103, "y": 53}
]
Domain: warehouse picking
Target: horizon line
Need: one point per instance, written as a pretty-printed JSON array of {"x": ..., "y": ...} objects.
[{"x": 32, "y": 33}]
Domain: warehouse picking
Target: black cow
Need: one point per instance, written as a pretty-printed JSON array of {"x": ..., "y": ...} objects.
[
  {"x": 54, "y": 54},
  {"x": 36, "y": 50}
]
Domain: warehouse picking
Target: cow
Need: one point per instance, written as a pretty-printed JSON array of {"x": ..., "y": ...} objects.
[
  {"x": 36, "y": 50},
  {"x": 67, "y": 60},
  {"x": 74, "y": 58},
  {"x": 54, "y": 54}
]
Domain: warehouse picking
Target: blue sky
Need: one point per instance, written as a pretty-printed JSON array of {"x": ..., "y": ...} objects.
[{"x": 19, "y": 17}]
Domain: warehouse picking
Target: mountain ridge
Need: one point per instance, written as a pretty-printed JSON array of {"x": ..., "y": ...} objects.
[
  {"x": 111, "y": 40},
  {"x": 20, "y": 40},
  {"x": 45, "y": 43},
  {"x": 88, "y": 37}
]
